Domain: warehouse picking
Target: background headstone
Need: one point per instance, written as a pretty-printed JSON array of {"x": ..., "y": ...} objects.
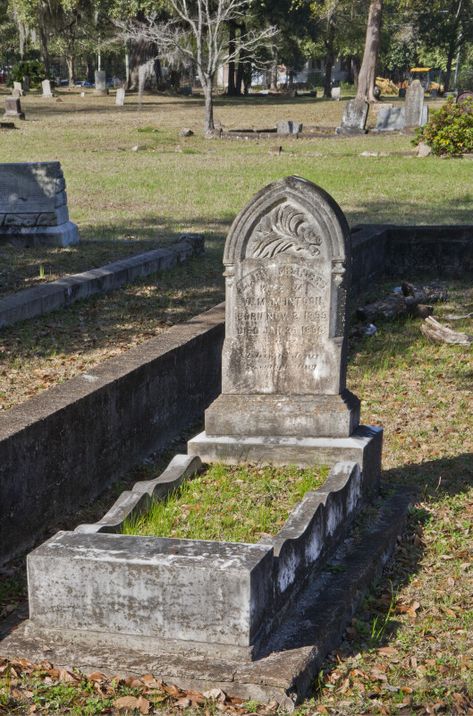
[
  {"x": 100, "y": 82},
  {"x": 13, "y": 108},
  {"x": 120, "y": 97},
  {"x": 17, "y": 89},
  {"x": 390, "y": 119},
  {"x": 46, "y": 86},
  {"x": 424, "y": 117},
  {"x": 288, "y": 127},
  {"x": 336, "y": 92},
  {"x": 33, "y": 204},
  {"x": 287, "y": 261},
  {"x": 354, "y": 117},
  {"x": 462, "y": 96},
  {"x": 414, "y": 104}
]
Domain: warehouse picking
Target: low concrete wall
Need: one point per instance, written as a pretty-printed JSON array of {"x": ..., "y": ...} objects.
[{"x": 62, "y": 448}]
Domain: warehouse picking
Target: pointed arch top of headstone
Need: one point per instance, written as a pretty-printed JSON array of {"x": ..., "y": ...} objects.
[{"x": 290, "y": 216}]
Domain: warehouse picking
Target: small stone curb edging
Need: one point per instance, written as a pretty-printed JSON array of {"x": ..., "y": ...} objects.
[
  {"x": 132, "y": 503},
  {"x": 50, "y": 296}
]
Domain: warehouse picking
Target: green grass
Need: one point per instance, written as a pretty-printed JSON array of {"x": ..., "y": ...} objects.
[{"x": 232, "y": 504}]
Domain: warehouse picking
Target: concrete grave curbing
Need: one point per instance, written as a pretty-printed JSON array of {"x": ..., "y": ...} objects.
[{"x": 64, "y": 291}]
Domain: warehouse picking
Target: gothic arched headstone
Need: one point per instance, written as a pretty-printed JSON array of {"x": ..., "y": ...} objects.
[{"x": 287, "y": 260}]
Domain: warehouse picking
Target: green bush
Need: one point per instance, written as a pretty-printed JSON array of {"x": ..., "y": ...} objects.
[
  {"x": 34, "y": 69},
  {"x": 450, "y": 130}
]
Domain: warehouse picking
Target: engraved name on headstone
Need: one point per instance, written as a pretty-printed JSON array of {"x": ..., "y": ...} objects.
[
  {"x": 414, "y": 104},
  {"x": 287, "y": 261}
]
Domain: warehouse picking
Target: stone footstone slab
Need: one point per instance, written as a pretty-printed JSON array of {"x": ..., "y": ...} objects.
[{"x": 295, "y": 653}]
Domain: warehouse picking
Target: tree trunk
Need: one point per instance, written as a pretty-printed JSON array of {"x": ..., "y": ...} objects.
[
  {"x": 448, "y": 68},
  {"x": 209, "y": 126},
  {"x": 367, "y": 75},
  {"x": 43, "y": 42},
  {"x": 70, "y": 62},
  {"x": 329, "y": 59},
  {"x": 355, "y": 70},
  {"x": 273, "y": 76},
  {"x": 231, "y": 64}
]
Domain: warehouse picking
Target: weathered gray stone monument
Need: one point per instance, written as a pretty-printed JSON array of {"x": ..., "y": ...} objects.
[
  {"x": 354, "y": 117},
  {"x": 390, "y": 119},
  {"x": 414, "y": 104},
  {"x": 100, "y": 83},
  {"x": 46, "y": 87},
  {"x": 13, "y": 108},
  {"x": 120, "y": 97},
  {"x": 288, "y": 127},
  {"x": 33, "y": 205},
  {"x": 284, "y": 397},
  {"x": 336, "y": 93},
  {"x": 17, "y": 89}
]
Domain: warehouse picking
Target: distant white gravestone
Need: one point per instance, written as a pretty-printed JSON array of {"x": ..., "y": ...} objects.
[
  {"x": 17, "y": 89},
  {"x": 46, "y": 86},
  {"x": 120, "y": 97}
]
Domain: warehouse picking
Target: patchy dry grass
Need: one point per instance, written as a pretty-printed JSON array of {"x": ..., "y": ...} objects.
[
  {"x": 253, "y": 501},
  {"x": 36, "y": 354}
]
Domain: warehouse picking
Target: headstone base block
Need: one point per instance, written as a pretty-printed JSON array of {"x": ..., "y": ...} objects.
[
  {"x": 66, "y": 234},
  {"x": 364, "y": 446},
  {"x": 334, "y": 416}
]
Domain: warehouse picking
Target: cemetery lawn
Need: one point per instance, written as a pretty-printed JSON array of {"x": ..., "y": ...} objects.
[
  {"x": 253, "y": 502},
  {"x": 128, "y": 202}
]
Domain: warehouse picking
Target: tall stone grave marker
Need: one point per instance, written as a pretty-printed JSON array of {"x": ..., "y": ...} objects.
[
  {"x": 120, "y": 97},
  {"x": 46, "y": 87},
  {"x": 354, "y": 117},
  {"x": 13, "y": 108},
  {"x": 100, "y": 83},
  {"x": 287, "y": 260},
  {"x": 414, "y": 104}
]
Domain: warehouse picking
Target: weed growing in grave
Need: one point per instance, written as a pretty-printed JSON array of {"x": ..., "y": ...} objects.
[{"x": 230, "y": 503}]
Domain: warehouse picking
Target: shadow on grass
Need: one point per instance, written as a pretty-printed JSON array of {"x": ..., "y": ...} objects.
[
  {"x": 22, "y": 267},
  {"x": 374, "y": 624}
]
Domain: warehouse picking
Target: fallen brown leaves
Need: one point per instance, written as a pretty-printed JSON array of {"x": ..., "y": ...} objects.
[{"x": 20, "y": 679}]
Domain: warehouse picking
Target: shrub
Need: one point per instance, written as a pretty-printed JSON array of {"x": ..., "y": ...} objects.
[
  {"x": 34, "y": 69},
  {"x": 450, "y": 130}
]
